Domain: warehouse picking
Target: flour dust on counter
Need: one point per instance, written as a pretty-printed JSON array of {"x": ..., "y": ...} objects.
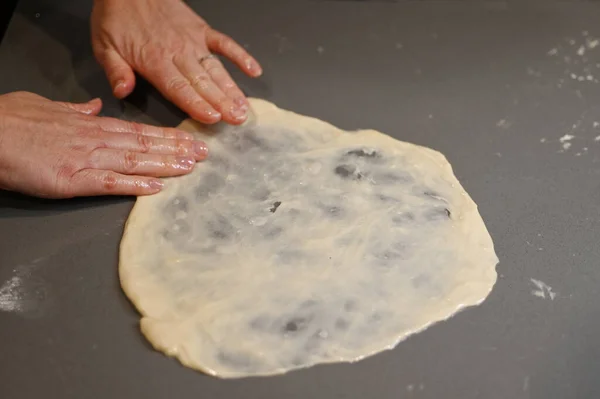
[{"x": 297, "y": 243}]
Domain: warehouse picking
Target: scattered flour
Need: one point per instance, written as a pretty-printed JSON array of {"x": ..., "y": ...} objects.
[
  {"x": 24, "y": 293},
  {"x": 503, "y": 124},
  {"x": 576, "y": 58},
  {"x": 542, "y": 290},
  {"x": 11, "y": 296},
  {"x": 566, "y": 137}
]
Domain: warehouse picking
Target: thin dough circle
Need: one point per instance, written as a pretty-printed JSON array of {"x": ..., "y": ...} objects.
[{"x": 297, "y": 243}]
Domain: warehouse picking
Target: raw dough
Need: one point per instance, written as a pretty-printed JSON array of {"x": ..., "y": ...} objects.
[{"x": 297, "y": 243}]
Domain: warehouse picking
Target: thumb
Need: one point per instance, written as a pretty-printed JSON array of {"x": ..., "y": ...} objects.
[
  {"x": 92, "y": 107},
  {"x": 119, "y": 73}
]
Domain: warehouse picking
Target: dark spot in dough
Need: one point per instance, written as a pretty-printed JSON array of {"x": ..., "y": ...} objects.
[
  {"x": 289, "y": 257},
  {"x": 349, "y": 172},
  {"x": 438, "y": 214},
  {"x": 332, "y": 211},
  {"x": 396, "y": 252},
  {"x": 375, "y": 317},
  {"x": 421, "y": 280},
  {"x": 260, "y": 193},
  {"x": 314, "y": 342},
  {"x": 220, "y": 228},
  {"x": 179, "y": 228},
  {"x": 276, "y": 205},
  {"x": 435, "y": 195},
  {"x": 260, "y": 323},
  {"x": 246, "y": 140},
  {"x": 388, "y": 199},
  {"x": 403, "y": 218},
  {"x": 309, "y": 303},
  {"x": 350, "y": 305},
  {"x": 271, "y": 231},
  {"x": 179, "y": 204},
  {"x": 386, "y": 255},
  {"x": 364, "y": 153},
  {"x": 335, "y": 211},
  {"x": 210, "y": 184},
  {"x": 342, "y": 324},
  {"x": 297, "y": 324}
]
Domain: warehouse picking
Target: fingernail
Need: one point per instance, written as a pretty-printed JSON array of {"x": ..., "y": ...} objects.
[
  {"x": 155, "y": 184},
  {"x": 186, "y": 163},
  {"x": 120, "y": 84},
  {"x": 241, "y": 103},
  {"x": 214, "y": 114},
  {"x": 200, "y": 148},
  {"x": 254, "y": 68},
  {"x": 238, "y": 114}
]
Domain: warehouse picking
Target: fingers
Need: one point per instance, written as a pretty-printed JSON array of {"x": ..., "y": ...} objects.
[
  {"x": 91, "y": 108},
  {"x": 178, "y": 89},
  {"x": 119, "y": 73},
  {"x": 135, "y": 163},
  {"x": 121, "y": 126},
  {"x": 223, "y": 80},
  {"x": 226, "y": 46},
  {"x": 205, "y": 86},
  {"x": 93, "y": 182},
  {"x": 140, "y": 143}
]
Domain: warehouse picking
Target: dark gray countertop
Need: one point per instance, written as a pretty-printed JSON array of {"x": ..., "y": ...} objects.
[{"x": 471, "y": 79}]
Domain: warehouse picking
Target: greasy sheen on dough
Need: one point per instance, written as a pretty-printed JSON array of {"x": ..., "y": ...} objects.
[{"x": 297, "y": 243}]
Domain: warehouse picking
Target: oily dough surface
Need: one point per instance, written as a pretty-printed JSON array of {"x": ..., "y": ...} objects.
[{"x": 297, "y": 243}]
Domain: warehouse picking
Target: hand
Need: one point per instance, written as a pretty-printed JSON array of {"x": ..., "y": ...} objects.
[
  {"x": 166, "y": 42},
  {"x": 61, "y": 150}
]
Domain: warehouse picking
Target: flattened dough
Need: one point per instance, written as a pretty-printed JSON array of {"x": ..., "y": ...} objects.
[{"x": 297, "y": 243}]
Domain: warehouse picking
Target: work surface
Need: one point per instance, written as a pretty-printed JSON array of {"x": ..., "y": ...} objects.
[{"x": 493, "y": 86}]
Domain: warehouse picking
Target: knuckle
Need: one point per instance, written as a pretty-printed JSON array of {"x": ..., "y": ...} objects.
[
  {"x": 144, "y": 143},
  {"x": 130, "y": 161},
  {"x": 87, "y": 140},
  {"x": 223, "y": 102},
  {"x": 184, "y": 147},
  {"x": 201, "y": 81},
  {"x": 135, "y": 127},
  {"x": 147, "y": 53},
  {"x": 213, "y": 70},
  {"x": 63, "y": 180},
  {"x": 225, "y": 41},
  {"x": 177, "y": 84},
  {"x": 230, "y": 85},
  {"x": 109, "y": 181},
  {"x": 65, "y": 170}
]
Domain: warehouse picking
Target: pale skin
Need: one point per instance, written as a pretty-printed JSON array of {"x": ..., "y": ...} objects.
[{"x": 53, "y": 149}]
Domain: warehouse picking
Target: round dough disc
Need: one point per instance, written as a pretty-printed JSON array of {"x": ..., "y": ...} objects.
[{"x": 297, "y": 243}]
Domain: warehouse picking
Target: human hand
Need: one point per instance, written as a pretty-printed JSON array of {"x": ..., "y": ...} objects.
[
  {"x": 167, "y": 43},
  {"x": 60, "y": 150}
]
